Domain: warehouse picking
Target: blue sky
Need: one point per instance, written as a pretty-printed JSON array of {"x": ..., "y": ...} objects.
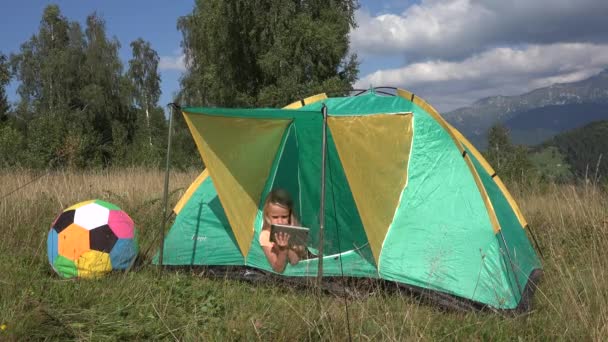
[
  {"x": 127, "y": 20},
  {"x": 450, "y": 52}
]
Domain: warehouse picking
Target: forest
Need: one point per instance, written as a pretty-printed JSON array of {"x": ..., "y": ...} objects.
[{"x": 78, "y": 107}]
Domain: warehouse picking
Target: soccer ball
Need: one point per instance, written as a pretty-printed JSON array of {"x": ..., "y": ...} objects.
[{"x": 90, "y": 239}]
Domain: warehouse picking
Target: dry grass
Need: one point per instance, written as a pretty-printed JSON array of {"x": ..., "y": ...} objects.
[{"x": 571, "y": 224}]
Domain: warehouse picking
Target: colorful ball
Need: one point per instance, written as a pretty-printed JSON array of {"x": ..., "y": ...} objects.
[{"x": 90, "y": 239}]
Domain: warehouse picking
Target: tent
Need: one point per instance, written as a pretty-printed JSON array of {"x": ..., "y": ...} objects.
[{"x": 407, "y": 198}]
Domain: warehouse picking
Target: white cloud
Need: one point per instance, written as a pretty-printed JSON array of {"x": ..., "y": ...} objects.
[
  {"x": 177, "y": 63},
  {"x": 454, "y": 29},
  {"x": 498, "y": 71}
]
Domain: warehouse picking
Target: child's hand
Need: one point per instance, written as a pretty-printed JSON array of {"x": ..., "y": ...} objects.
[{"x": 282, "y": 239}]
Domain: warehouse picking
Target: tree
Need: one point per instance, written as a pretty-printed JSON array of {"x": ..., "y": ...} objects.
[
  {"x": 5, "y": 77},
  {"x": 70, "y": 81},
  {"x": 510, "y": 162},
  {"x": 266, "y": 53},
  {"x": 499, "y": 146},
  {"x": 48, "y": 68},
  {"x": 43, "y": 65},
  {"x": 143, "y": 73}
]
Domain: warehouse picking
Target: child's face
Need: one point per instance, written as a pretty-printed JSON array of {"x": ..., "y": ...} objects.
[{"x": 278, "y": 214}]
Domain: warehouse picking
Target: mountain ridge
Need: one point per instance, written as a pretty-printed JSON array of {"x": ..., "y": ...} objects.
[{"x": 475, "y": 120}]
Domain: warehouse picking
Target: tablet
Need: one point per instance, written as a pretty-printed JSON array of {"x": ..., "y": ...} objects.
[{"x": 298, "y": 236}]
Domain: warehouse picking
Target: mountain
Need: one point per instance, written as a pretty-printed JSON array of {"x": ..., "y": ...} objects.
[
  {"x": 534, "y": 126},
  {"x": 534, "y": 107}
]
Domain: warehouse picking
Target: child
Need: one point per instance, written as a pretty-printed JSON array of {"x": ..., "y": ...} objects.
[{"x": 278, "y": 209}]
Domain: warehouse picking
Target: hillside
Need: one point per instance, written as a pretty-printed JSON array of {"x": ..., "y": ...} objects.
[
  {"x": 585, "y": 150},
  {"x": 475, "y": 120},
  {"x": 535, "y": 126}
]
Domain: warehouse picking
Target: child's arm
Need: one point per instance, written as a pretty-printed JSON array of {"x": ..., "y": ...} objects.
[
  {"x": 295, "y": 254},
  {"x": 277, "y": 254}
]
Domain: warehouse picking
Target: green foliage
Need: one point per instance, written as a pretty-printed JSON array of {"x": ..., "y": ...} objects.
[
  {"x": 5, "y": 78},
  {"x": 143, "y": 72},
  {"x": 266, "y": 53},
  {"x": 551, "y": 165},
  {"x": 586, "y": 150},
  {"x": 77, "y": 108},
  {"x": 11, "y": 144},
  {"x": 149, "y": 137},
  {"x": 510, "y": 162}
]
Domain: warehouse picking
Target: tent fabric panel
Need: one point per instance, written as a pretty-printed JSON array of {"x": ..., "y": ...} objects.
[
  {"x": 441, "y": 121},
  {"x": 343, "y": 227},
  {"x": 239, "y": 153},
  {"x": 490, "y": 171},
  {"x": 349, "y": 263},
  {"x": 283, "y": 174},
  {"x": 380, "y": 159},
  {"x": 344, "y": 230},
  {"x": 441, "y": 226},
  {"x": 368, "y": 103},
  {"x": 191, "y": 189},
  {"x": 309, "y": 172},
  {"x": 285, "y": 171},
  {"x": 201, "y": 234},
  {"x": 519, "y": 256},
  {"x": 301, "y": 103}
]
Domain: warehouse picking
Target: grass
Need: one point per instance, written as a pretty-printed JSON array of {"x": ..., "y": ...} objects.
[{"x": 570, "y": 223}]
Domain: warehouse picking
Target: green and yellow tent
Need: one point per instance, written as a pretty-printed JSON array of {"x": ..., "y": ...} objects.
[{"x": 407, "y": 198}]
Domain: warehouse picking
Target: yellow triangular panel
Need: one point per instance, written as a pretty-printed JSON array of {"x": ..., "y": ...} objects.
[
  {"x": 374, "y": 149},
  {"x": 238, "y": 153}
]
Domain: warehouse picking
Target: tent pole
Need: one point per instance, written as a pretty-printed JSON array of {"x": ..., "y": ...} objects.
[
  {"x": 322, "y": 209},
  {"x": 166, "y": 189}
]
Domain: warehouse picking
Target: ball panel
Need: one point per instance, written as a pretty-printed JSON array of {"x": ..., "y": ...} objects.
[
  {"x": 65, "y": 267},
  {"x": 93, "y": 264},
  {"x": 121, "y": 224},
  {"x": 78, "y": 205},
  {"x": 91, "y": 216},
  {"x": 123, "y": 254},
  {"x": 51, "y": 245},
  {"x": 102, "y": 239},
  {"x": 73, "y": 241},
  {"x": 65, "y": 219},
  {"x": 107, "y": 205}
]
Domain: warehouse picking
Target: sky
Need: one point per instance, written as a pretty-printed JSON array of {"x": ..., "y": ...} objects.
[{"x": 449, "y": 52}]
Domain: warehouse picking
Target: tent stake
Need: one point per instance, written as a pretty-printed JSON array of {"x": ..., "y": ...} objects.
[
  {"x": 166, "y": 190},
  {"x": 322, "y": 209}
]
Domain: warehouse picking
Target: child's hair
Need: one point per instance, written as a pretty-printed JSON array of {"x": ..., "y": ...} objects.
[{"x": 281, "y": 198}]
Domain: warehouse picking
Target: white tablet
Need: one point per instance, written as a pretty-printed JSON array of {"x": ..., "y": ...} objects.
[{"x": 298, "y": 236}]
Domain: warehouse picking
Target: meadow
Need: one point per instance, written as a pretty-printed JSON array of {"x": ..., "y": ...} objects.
[{"x": 571, "y": 302}]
